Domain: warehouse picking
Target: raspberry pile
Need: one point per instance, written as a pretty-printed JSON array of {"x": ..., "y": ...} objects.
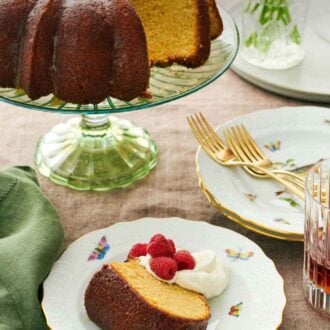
[{"x": 165, "y": 259}]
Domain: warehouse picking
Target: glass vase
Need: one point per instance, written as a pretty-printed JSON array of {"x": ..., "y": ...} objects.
[{"x": 273, "y": 32}]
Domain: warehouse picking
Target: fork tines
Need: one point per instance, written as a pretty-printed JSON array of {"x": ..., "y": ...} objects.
[{"x": 204, "y": 133}]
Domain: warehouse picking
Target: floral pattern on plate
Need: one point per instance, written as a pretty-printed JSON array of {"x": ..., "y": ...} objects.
[
  {"x": 289, "y": 164},
  {"x": 290, "y": 200}
]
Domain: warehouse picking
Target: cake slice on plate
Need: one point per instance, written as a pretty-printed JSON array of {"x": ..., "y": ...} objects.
[
  {"x": 125, "y": 296},
  {"x": 157, "y": 288}
]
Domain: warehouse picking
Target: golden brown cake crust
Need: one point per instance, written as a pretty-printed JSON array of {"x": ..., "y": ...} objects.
[
  {"x": 112, "y": 304},
  {"x": 37, "y": 48},
  {"x": 216, "y": 25},
  {"x": 82, "y": 51},
  {"x": 13, "y": 16},
  {"x": 100, "y": 51},
  {"x": 130, "y": 70},
  {"x": 203, "y": 43}
]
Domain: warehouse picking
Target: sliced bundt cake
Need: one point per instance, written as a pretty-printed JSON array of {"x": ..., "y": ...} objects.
[
  {"x": 86, "y": 50},
  {"x": 125, "y": 296}
]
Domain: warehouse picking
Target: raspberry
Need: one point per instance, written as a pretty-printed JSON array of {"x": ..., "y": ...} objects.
[
  {"x": 157, "y": 237},
  {"x": 164, "y": 267},
  {"x": 172, "y": 245},
  {"x": 160, "y": 249},
  {"x": 184, "y": 260},
  {"x": 138, "y": 250}
]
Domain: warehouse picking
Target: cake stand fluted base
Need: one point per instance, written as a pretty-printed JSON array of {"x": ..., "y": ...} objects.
[{"x": 96, "y": 152}]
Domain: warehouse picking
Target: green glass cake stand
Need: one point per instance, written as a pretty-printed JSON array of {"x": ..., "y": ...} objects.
[{"x": 100, "y": 152}]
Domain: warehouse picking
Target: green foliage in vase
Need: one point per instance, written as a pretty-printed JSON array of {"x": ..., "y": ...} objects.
[
  {"x": 272, "y": 15},
  {"x": 295, "y": 35}
]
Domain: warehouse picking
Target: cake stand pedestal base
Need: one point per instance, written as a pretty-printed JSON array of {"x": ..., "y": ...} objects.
[{"x": 96, "y": 152}]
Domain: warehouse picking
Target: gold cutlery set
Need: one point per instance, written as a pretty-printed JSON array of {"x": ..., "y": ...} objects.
[{"x": 241, "y": 150}]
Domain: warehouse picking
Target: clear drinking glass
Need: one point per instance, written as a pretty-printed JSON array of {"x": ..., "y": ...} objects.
[
  {"x": 317, "y": 237},
  {"x": 272, "y": 32}
]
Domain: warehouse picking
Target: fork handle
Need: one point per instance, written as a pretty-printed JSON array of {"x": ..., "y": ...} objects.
[
  {"x": 290, "y": 174},
  {"x": 292, "y": 179},
  {"x": 290, "y": 186}
]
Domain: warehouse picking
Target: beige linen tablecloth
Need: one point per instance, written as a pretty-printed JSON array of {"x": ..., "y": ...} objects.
[{"x": 172, "y": 188}]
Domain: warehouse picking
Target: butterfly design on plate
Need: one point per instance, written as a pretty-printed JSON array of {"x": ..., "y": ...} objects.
[
  {"x": 273, "y": 146},
  {"x": 234, "y": 256},
  {"x": 235, "y": 310},
  {"x": 251, "y": 197},
  {"x": 100, "y": 251},
  {"x": 281, "y": 220}
]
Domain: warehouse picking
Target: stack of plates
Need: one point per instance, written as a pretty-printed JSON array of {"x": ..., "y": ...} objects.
[
  {"x": 293, "y": 138},
  {"x": 310, "y": 79}
]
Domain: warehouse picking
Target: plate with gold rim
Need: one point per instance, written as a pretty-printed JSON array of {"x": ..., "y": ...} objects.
[
  {"x": 254, "y": 299},
  {"x": 293, "y": 138}
]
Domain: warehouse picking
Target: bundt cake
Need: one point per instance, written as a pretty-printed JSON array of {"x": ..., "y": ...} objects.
[
  {"x": 86, "y": 50},
  {"x": 124, "y": 296}
]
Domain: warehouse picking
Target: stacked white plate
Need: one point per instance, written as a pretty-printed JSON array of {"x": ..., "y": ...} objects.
[{"x": 293, "y": 138}]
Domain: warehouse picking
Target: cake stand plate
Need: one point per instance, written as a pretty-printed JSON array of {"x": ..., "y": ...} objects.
[{"x": 98, "y": 152}]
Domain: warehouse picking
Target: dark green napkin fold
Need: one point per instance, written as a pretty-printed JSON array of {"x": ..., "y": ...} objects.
[{"x": 30, "y": 238}]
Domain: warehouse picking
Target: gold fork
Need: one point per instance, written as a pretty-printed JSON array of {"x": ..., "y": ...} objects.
[
  {"x": 259, "y": 158},
  {"x": 217, "y": 150},
  {"x": 228, "y": 154},
  {"x": 246, "y": 149}
]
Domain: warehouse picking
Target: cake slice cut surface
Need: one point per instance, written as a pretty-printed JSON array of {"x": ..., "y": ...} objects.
[{"x": 177, "y": 30}]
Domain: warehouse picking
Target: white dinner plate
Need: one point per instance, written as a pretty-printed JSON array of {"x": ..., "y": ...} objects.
[
  {"x": 254, "y": 299},
  {"x": 310, "y": 79},
  {"x": 292, "y": 137}
]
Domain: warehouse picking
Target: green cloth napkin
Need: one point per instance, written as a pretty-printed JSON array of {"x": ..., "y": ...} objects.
[{"x": 30, "y": 238}]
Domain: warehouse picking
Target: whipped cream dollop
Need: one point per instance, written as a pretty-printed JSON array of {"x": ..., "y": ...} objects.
[{"x": 209, "y": 277}]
